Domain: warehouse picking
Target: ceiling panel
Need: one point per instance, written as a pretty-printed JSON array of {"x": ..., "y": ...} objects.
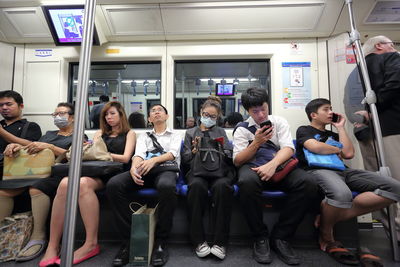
[
  {"x": 28, "y": 22},
  {"x": 244, "y": 17},
  {"x": 133, "y": 20}
]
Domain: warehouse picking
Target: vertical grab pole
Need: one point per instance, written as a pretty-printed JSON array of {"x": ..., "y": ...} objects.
[
  {"x": 67, "y": 250},
  {"x": 370, "y": 99}
]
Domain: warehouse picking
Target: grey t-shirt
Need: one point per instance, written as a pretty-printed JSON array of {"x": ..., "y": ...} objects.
[{"x": 53, "y": 138}]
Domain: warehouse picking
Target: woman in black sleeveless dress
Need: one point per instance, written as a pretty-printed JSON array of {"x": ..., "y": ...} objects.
[{"x": 120, "y": 141}]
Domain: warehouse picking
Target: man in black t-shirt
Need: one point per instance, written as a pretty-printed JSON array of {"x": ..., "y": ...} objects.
[
  {"x": 12, "y": 128},
  {"x": 375, "y": 191}
]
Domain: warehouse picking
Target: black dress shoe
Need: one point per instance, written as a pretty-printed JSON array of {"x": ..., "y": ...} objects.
[
  {"x": 261, "y": 251},
  {"x": 285, "y": 252},
  {"x": 160, "y": 255},
  {"x": 122, "y": 257}
]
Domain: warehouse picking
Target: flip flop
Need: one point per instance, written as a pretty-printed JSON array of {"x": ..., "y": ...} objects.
[
  {"x": 342, "y": 255},
  {"x": 367, "y": 259},
  {"x": 31, "y": 243}
]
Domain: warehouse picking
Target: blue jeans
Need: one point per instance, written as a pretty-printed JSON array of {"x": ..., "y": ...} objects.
[{"x": 337, "y": 185}]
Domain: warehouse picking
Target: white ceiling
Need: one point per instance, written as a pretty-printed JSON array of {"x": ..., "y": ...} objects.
[{"x": 22, "y": 21}]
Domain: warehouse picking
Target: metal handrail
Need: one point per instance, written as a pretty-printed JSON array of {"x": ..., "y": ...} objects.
[
  {"x": 67, "y": 249},
  {"x": 370, "y": 99}
]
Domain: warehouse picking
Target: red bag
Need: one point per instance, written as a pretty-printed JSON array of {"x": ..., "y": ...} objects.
[{"x": 284, "y": 169}]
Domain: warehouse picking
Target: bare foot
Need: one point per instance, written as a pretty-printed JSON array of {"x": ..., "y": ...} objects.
[
  {"x": 317, "y": 221},
  {"x": 323, "y": 243}
]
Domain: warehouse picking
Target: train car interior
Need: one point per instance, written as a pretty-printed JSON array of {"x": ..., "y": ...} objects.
[{"x": 179, "y": 52}]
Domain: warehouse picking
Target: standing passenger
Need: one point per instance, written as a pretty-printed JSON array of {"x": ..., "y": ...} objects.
[
  {"x": 120, "y": 142},
  {"x": 120, "y": 187},
  {"x": 221, "y": 186},
  {"x": 383, "y": 62},
  {"x": 248, "y": 139}
]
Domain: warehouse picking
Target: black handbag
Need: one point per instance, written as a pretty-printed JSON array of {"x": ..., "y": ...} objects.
[
  {"x": 169, "y": 165},
  {"x": 95, "y": 168}
]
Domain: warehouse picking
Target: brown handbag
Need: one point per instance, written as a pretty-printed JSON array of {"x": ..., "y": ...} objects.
[{"x": 94, "y": 151}]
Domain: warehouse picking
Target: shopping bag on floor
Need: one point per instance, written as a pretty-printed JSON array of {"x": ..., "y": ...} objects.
[
  {"x": 15, "y": 232},
  {"x": 143, "y": 225}
]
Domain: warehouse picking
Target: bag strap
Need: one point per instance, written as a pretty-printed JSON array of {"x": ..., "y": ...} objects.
[
  {"x": 155, "y": 142},
  {"x": 25, "y": 130},
  {"x": 132, "y": 204}
]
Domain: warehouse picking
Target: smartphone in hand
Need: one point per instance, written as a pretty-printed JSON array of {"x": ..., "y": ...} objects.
[
  {"x": 267, "y": 123},
  {"x": 335, "y": 117}
]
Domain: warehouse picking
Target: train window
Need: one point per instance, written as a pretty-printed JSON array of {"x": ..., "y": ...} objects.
[
  {"x": 135, "y": 84},
  {"x": 196, "y": 80}
]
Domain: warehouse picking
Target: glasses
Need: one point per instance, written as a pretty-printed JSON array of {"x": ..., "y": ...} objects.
[
  {"x": 206, "y": 114},
  {"x": 155, "y": 110},
  {"x": 62, "y": 114}
]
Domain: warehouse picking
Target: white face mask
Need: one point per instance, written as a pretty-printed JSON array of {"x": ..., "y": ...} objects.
[
  {"x": 61, "y": 122},
  {"x": 208, "y": 122}
]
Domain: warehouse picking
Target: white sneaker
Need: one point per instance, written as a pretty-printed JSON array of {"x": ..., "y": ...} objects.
[
  {"x": 203, "y": 250},
  {"x": 218, "y": 251}
]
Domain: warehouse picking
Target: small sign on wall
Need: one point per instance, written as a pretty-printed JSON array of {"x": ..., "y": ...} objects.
[{"x": 43, "y": 52}]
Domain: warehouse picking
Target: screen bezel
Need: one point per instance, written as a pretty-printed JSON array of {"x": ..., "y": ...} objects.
[
  {"x": 46, "y": 10},
  {"x": 216, "y": 89}
]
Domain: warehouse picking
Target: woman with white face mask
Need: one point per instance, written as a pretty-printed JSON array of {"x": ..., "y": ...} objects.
[
  {"x": 40, "y": 190},
  {"x": 201, "y": 181}
]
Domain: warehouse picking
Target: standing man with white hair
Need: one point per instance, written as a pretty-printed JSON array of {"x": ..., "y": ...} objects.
[{"x": 383, "y": 62}]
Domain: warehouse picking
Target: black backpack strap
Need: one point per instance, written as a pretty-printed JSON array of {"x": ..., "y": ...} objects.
[
  {"x": 25, "y": 129},
  {"x": 155, "y": 142}
]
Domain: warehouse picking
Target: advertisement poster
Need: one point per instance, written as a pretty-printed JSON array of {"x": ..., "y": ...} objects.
[
  {"x": 137, "y": 107},
  {"x": 296, "y": 84}
]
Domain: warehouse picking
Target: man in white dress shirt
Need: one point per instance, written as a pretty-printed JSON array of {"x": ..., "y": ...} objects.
[{"x": 120, "y": 187}]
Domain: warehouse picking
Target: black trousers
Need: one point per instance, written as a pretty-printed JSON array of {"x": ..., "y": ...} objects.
[
  {"x": 119, "y": 193},
  {"x": 302, "y": 193},
  {"x": 220, "y": 212}
]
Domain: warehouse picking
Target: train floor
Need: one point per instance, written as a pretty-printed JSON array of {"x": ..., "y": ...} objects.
[{"x": 240, "y": 255}]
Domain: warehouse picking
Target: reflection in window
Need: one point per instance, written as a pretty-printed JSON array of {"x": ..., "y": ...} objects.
[
  {"x": 135, "y": 85},
  {"x": 196, "y": 80}
]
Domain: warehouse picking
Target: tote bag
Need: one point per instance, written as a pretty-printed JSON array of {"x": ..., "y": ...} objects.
[
  {"x": 28, "y": 166},
  {"x": 143, "y": 226},
  {"x": 15, "y": 232}
]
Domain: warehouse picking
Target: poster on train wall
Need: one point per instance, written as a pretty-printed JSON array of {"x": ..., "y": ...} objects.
[
  {"x": 296, "y": 84},
  {"x": 137, "y": 107}
]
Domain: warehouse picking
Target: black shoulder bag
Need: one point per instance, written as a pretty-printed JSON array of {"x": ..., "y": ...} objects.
[{"x": 169, "y": 165}]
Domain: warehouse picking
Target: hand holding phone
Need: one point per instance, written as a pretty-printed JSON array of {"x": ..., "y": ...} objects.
[
  {"x": 335, "y": 117},
  {"x": 267, "y": 123}
]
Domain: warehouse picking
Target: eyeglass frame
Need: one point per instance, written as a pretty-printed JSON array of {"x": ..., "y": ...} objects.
[
  {"x": 61, "y": 113},
  {"x": 207, "y": 115}
]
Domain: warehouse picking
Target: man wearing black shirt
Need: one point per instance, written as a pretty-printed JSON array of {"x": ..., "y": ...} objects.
[
  {"x": 12, "y": 126},
  {"x": 383, "y": 62},
  {"x": 376, "y": 191}
]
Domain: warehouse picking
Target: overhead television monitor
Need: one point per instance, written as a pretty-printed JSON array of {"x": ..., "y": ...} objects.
[
  {"x": 227, "y": 89},
  {"x": 66, "y": 24}
]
